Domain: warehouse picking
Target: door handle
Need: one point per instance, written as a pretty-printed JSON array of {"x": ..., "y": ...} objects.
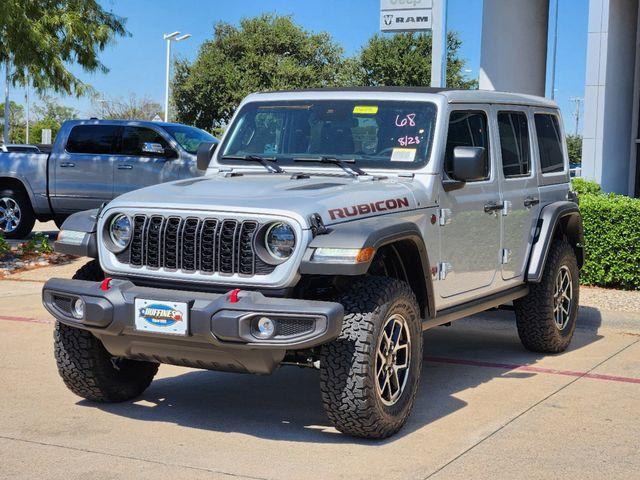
[
  {"x": 531, "y": 201},
  {"x": 67, "y": 164},
  {"x": 125, "y": 167},
  {"x": 492, "y": 207}
]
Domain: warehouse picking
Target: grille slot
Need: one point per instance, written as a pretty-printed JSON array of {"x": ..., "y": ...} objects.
[
  {"x": 193, "y": 244},
  {"x": 294, "y": 326}
]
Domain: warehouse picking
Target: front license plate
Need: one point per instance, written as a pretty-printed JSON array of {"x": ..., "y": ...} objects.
[{"x": 161, "y": 317}]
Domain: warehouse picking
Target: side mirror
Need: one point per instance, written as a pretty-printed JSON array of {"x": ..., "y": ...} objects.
[
  {"x": 152, "y": 148},
  {"x": 468, "y": 165},
  {"x": 204, "y": 154}
]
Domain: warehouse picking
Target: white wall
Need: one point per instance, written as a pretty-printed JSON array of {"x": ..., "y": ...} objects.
[
  {"x": 609, "y": 93},
  {"x": 514, "y": 46}
]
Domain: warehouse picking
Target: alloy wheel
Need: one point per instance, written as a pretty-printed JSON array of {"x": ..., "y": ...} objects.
[
  {"x": 10, "y": 214},
  {"x": 393, "y": 358},
  {"x": 562, "y": 297}
]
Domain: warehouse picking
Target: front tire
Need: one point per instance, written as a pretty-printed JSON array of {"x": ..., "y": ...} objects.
[
  {"x": 369, "y": 375},
  {"x": 88, "y": 369},
  {"x": 546, "y": 317},
  {"x": 16, "y": 214}
]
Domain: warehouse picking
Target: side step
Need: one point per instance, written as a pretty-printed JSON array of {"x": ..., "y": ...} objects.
[{"x": 475, "y": 306}]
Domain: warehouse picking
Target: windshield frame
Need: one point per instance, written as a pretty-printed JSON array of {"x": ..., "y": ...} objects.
[
  {"x": 387, "y": 166},
  {"x": 169, "y": 131}
]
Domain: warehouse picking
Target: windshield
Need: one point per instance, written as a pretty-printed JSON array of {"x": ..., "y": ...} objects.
[
  {"x": 189, "y": 138},
  {"x": 376, "y": 134}
]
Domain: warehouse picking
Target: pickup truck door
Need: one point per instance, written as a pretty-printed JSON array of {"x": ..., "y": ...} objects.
[
  {"x": 82, "y": 176},
  {"x": 519, "y": 188},
  {"x": 147, "y": 158},
  {"x": 470, "y": 216}
]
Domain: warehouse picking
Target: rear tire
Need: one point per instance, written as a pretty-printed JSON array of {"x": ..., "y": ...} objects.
[
  {"x": 381, "y": 331},
  {"x": 546, "y": 317},
  {"x": 88, "y": 369},
  {"x": 16, "y": 214}
]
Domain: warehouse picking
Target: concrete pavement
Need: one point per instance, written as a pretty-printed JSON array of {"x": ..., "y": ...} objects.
[{"x": 486, "y": 409}]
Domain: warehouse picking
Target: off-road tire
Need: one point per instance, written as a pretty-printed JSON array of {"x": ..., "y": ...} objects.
[
  {"x": 347, "y": 365},
  {"x": 86, "y": 367},
  {"x": 90, "y": 271},
  {"x": 534, "y": 313},
  {"x": 27, "y": 217}
]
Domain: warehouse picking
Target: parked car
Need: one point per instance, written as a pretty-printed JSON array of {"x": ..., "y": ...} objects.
[
  {"x": 334, "y": 227},
  {"x": 91, "y": 162},
  {"x": 10, "y": 147}
]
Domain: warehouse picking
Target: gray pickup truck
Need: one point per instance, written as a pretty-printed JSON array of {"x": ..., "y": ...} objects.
[
  {"x": 333, "y": 228},
  {"x": 92, "y": 162}
]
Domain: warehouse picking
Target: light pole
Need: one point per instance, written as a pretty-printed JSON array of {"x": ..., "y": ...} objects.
[
  {"x": 6, "y": 105},
  {"x": 171, "y": 37}
]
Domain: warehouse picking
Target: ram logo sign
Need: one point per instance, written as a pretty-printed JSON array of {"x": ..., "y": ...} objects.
[{"x": 405, "y": 15}]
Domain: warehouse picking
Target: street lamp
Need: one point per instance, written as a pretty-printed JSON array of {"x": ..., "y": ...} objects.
[{"x": 170, "y": 37}]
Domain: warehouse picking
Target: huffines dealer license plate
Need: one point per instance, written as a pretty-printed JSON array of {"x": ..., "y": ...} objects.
[{"x": 161, "y": 317}]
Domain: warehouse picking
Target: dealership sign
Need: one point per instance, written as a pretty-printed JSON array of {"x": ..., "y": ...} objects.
[{"x": 405, "y": 15}]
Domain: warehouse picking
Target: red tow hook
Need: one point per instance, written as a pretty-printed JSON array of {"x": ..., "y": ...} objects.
[
  {"x": 105, "y": 284},
  {"x": 234, "y": 295}
]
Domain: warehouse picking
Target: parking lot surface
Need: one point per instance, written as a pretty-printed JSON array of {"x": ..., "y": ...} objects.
[{"x": 486, "y": 409}]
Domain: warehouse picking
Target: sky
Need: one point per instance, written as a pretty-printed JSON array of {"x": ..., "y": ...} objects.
[{"x": 137, "y": 63}]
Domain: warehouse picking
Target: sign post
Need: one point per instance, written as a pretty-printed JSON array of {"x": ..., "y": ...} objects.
[{"x": 420, "y": 15}]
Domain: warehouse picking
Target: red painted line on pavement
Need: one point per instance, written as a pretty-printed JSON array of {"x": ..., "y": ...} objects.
[
  {"x": 530, "y": 368},
  {"x": 26, "y": 319}
]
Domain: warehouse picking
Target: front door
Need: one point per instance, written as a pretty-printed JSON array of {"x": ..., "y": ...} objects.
[
  {"x": 470, "y": 236},
  {"x": 519, "y": 189}
]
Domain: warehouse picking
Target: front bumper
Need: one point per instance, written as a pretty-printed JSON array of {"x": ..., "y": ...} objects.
[{"x": 218, "y": 336}]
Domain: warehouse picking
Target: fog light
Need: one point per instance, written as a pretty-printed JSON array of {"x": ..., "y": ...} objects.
[
  {"x": 265, "y": 328},
  {"x": 78, "y": 308}
]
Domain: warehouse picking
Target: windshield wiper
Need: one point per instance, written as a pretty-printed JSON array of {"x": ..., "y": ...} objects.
[
  {"x": 351, "y": 170},
  {"x": 264, "y": 161}
]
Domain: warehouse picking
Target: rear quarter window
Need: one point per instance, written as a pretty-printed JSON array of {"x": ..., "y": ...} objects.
[{"x": 549, "y": 143}]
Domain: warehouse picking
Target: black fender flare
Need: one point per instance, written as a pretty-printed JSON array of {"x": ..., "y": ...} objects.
[
  {"x": 84, "y": 222},
  {"x": 373, "y": 232},
  {"x": 564, "y": 215}
]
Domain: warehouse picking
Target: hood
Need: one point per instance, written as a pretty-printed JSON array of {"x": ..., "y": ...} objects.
[{"x": 335, "y": 198}]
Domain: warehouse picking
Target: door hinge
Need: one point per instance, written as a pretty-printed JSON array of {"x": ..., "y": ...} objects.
[
  {"x": 506, "y": 255},
  {"x": 443, "y": 270},
  {"x": 506, "y": 207},
  {"x": 445, "y": 216}
]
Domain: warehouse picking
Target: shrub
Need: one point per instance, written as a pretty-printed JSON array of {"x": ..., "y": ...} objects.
[
  {"x": 612, "y": 238},
  {"x": 5, "y": 248},
  {"x": 37, "y": 245},
  {"x": 582, "y": 186}
]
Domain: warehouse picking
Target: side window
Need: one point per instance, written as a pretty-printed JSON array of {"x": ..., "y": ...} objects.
[
  {"x": 92, "y": 139},
  {"x": 467, "y": 129},
  {"x": 549, "y": 143},
  {"x": 514, "y": 144},
  {"x": 133, "y": 139}
]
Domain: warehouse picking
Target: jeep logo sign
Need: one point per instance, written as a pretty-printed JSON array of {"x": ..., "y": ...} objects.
[{"x": 405, "y": 15}]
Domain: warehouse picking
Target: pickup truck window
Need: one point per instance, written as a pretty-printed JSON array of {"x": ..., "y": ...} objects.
[
  {"x": 133, "y": 138},
  {"x": 93, "y": 139},
  {"x": 549, "y": 143},
  {"x": 514, "y": 144},
  {"x": 467, "y": 129},
  {"x": 373, "y": 133},
  {"x": 189, "y": 138}
]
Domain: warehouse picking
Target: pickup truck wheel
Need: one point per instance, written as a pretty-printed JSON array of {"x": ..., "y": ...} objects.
[
  {"x": 546, "y": 317},
  {"x": 91, "y": 372},
  {"x": 369, "y": 375},
  {"x": 16, "y": 214}
]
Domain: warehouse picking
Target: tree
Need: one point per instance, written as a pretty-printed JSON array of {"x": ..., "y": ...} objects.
[
  {"x": 17, "y": 126},
  {"x": 42, "y": 38},
  {"x": 130, "y": 108},
  {"x": 268, "y": 52},
  {"x": 404, "y": 59},
  {"x": 51, "y": 110},
  {"x": 574, "y": 146}
]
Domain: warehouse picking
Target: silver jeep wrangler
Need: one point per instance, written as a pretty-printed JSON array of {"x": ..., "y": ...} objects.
[{"x": 332, "y": 228}]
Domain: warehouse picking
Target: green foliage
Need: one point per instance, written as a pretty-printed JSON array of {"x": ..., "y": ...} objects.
[
  {"x": 574, "y": 145},
  {"x": 51, "y": 111},
  {"x": 268, "y": 52},
  {"x": 582, "y": 186},
  {"x": 16, "y": 122},
  {"x": 36, "y": 245},
  {"x": 5, "y": 248},
  {"x": 43, "y": 38},
  {"x": 612, "y": 240},
  {"x": 404, "y": 59}
]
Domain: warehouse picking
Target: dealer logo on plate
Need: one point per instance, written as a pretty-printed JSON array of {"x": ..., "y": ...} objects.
[{"x": 160, "y": 315}]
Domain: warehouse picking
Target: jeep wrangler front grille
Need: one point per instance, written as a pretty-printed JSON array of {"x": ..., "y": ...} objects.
[{"x": 193, "y": 244}]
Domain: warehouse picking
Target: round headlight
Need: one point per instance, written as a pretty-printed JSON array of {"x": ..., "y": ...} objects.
[
  {"x": 120, "y": 232},
  {"x": 280, "y": 240}
]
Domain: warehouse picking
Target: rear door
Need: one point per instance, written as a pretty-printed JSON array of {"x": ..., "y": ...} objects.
[
  {"x": 146, "y": 158},
  {"x": 519, "y": 188},
  {"x": 83, "y": 172}
]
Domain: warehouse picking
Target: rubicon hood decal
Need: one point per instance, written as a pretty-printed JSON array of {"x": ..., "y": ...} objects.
[{"x": 368, "y": 208}]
